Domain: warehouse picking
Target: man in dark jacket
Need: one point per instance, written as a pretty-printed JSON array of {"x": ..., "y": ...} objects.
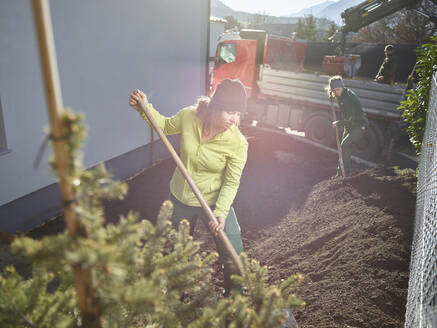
[
  {"x": 387, "y": 71},
  {"x": 353, "y": 119}
]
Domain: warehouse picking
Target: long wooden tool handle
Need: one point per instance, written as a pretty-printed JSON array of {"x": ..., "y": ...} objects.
[
  {"x": 337, "y": 137},
  {"x": 83, "y": 278},
  {"x": 221, "y": 234}
]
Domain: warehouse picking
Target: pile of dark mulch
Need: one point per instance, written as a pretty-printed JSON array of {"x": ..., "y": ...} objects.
[{"x": 351, "y": 240}]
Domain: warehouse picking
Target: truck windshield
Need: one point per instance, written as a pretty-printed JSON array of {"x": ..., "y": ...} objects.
[{"x": 227, "y": 53}]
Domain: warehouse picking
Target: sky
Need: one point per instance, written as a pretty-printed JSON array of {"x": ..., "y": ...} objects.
[{"x": 271, "y": 7}]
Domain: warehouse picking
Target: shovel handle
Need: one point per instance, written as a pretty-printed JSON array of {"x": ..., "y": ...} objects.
[
  {"x": 221, "y": 234},
  {"x": 337, "y": 138}
]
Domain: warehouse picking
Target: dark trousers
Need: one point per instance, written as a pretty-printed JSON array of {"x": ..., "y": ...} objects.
[
  {"x": 349, "y": 137},
  {"x": 232, "y": 230}
]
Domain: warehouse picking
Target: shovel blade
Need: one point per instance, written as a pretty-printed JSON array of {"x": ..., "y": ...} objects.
[{"x": 290, "y": 322}]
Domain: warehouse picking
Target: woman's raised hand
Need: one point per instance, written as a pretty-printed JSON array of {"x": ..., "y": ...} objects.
[{"x": 135, "y": 97}]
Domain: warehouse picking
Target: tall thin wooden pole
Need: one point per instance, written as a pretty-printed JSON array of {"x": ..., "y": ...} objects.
[
  {"x": 221, "y": 234},
  {"x": 83, "y": 279},
  {"x": 152, "y": 146},
  {"x": 337, "y": 139}
]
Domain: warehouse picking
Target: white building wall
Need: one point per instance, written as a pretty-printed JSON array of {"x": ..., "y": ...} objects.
[{"x": 105, "y": 49}]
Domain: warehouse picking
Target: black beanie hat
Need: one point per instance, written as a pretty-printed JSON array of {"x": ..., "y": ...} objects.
[
  {"x": 229, "y": 95},
  {"x": 336, "y": 83}
]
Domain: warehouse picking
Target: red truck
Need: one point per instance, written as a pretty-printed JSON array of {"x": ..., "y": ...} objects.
[{"x": 284, "y": 94}]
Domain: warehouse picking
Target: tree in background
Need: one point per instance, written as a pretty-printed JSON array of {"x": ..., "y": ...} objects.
[
  {"x": 415, "y": 107},
  {"x": 332, "y": 30},
  {"x": 231, "y": 22},
  {"x": 144, "y": 274},
  {"x": 325, "y": 28},
  {"x": 405, "y": 26},
  {"x": 306, "y": 28}
]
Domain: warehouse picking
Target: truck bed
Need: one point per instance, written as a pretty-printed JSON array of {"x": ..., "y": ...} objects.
[{"x": 377, "y": 99}]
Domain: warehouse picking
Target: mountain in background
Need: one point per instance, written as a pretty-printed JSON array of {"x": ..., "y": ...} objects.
[
  {"x": 329, "y": 9},
  {"x": 334, "y": 10},
  {"x": 219, "y": 9},
  {"x": 313, "y": 10}
]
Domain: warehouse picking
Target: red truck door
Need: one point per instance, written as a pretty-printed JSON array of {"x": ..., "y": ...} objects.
[{"x": 235, "y": 59}]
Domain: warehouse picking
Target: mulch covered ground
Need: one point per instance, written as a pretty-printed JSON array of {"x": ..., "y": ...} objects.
[{"x": 349, "y": 237}]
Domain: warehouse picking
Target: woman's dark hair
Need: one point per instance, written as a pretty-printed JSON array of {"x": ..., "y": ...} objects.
[
  {"x": 211, "y": 119},
  {"x": 210, "y": 116}
]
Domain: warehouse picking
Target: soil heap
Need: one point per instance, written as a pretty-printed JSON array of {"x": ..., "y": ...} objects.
[{"x": 351, "y": 240}]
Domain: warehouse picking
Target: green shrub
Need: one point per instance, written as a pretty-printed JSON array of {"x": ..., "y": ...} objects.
[
  {"x": 415, "y": 107},
  {"x": 143, "y": 275}
]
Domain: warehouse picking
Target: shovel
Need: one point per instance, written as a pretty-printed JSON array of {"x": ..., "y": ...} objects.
[{"x": 337, "y": 138}]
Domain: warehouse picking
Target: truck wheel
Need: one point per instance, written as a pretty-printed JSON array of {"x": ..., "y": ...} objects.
[
  {"x": 318, "y": 128},
  {"x": 368, "y": 146}
]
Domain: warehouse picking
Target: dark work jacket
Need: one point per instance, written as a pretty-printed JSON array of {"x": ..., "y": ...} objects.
[
  {"x": 351, "y": 110},
  {"x": 388, "y": 69}
]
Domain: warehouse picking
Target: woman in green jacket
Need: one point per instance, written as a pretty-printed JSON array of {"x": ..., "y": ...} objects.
[
  {"x": 214, "y": 151},
  {"x": 353, "y": 120}
]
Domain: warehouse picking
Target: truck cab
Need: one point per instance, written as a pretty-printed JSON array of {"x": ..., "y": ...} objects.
[
  {"x": 238, "y": 58},
  {"x": 243, "y": 54}
]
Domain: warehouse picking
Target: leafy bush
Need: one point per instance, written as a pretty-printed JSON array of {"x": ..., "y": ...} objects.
[
  {"x": 143, "y": 275},
  {"x": 415, "y": 107}
]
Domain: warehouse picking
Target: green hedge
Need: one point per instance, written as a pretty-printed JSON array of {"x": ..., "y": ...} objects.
[{"x": 415, "y": 107}]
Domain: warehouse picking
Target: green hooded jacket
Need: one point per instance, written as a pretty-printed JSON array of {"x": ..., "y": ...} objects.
[
  {"x": 215, "y": 166},
  {"x": 351, "y": 110}
]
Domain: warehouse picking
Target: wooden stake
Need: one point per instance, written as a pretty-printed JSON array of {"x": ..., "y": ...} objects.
[
  {"x": 83, "y": 279},
  {"x": 221, "y": 234},
  {"x": 152, "y": 146}
]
